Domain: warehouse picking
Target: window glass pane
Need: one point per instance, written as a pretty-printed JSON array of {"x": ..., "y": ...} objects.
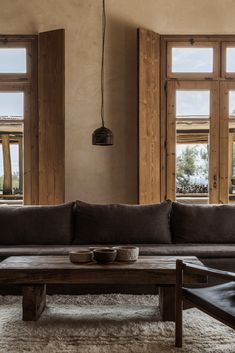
[
  {"x": 11, "y": 189},
  {"x": 192, "y": 60},
  {"x": 13, "y": 60},
  {"x": 14, "y": 150},
  {"x": 230, "y": 59},
  {"x": 11, "y": 105},
  {"x": 192, "y": 103},
  {"x": 231, "y": 103},
  {"x": 192, "y": 156}
]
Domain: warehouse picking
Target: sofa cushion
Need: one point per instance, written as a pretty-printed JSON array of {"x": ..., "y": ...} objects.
[
  {"x": 21, "y": 225},
  {"x": 203, "y": 223},
  {"x": 122, "y": 224}
]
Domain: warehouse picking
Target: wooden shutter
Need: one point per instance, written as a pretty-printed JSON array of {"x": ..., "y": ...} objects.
[
  {"x": 51, "y": 117},
  {"x": 149, "y": 116}
]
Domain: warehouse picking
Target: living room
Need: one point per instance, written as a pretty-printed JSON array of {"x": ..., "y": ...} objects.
[{"x": 117, "y": 176}]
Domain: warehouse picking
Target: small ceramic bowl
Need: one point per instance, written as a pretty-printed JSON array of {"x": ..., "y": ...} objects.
[
  {"x": 81, "y": 256},
  {"x": 104, "y": 255},
  {"x": 127, "y": 253}
]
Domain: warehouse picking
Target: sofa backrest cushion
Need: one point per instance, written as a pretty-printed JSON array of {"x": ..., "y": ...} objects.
[
  {"x": 34, "y": 225},
  {"x": 203, "y": 223},
  {"x": 122, "y": 224}
]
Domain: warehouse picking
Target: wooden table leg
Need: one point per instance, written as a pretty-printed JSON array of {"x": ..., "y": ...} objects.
[
  {"x": 34, "y": 301},
  {"x": 167, "y": 303}
]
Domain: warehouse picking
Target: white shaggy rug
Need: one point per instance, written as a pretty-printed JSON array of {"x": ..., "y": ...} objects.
[{"x": 107, "y": 324}]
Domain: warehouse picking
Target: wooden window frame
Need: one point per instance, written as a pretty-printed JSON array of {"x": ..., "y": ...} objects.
[
  {"x": 193, "y": 44},
  {"x": 225, "y": 87},
  {"x": 213, "y": 176},
  {"x": 221, "y": 195},
  {"x": 224, "y": 73},
  {"x": 154, "y": 149},
  {"x": 18, "y": 76},
  {"x": 44, "y": 123},
  {"x": 27, "y": 83}
]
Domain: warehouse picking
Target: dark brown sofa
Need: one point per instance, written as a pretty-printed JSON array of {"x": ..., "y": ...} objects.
[{"x": 205, "y": 231}]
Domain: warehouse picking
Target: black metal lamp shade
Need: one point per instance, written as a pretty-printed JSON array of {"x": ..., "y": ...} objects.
[{"x": 102, "y": 137}]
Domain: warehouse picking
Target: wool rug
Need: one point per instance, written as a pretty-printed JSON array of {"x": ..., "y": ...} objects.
[{"x": 107, "y": 324}]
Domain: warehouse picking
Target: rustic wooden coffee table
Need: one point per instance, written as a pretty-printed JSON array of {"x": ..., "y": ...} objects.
[{"x": 34, "y": 272}]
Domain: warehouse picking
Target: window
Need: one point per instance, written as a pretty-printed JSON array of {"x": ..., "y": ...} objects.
[
  {"x": 186, "y": 118},
  {"x": 185, "y": 59},
  {"x": 192, "y": 142},
  {"x": 32, "y": 118},
  {"x": 192, "y": 60},
  {"x": 13, "y": 60},
  {"x": 11, "y": 140},
  {"x": 228, "y": 57},
  {"x": 200, "y": 118},
  {"x": 17, "y": 98}
]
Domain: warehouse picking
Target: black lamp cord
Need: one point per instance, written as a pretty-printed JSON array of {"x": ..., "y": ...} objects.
[{"x": 102, "y": 62}]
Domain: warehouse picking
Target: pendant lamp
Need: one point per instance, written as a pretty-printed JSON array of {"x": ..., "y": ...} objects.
[{"x": 102, "y": 136}]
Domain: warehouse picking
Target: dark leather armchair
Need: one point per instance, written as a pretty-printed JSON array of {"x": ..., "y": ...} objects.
[{"x": 217, "y": 301}]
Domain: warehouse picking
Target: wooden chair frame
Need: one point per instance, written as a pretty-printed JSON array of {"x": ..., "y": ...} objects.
[{"x": 181, "y": 294}]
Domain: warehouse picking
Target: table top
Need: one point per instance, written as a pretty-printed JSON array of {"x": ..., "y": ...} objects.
[
  {"x": 163, "y": 263},
  {"x": 59, "y": 269}
]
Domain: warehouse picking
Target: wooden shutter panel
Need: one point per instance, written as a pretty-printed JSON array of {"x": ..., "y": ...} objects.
[
  {"x": 149, "y": 116},
  {"x": 51, "y": 117}
]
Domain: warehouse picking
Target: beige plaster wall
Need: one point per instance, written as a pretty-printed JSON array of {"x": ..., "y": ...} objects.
[{"x": 108, "y": 174}]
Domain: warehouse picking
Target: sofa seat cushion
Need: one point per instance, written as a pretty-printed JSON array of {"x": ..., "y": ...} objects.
[
  {"x": 119, "y": 223},
  {"x": 199, "y": 250},
  {"x": 203, "y": 223},
  {"x": 24, "y": 225}
]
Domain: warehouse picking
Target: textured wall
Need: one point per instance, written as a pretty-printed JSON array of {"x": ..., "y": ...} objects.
[{"x": 108, "y": 174}]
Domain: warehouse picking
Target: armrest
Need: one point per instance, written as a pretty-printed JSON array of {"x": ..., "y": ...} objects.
[{"x": 197, "y": 269}]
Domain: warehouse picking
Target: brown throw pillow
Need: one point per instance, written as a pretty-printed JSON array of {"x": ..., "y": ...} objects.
[
  {"x": 35, "y": 225},
  {"x": 203, "y": 223},
  {"x": 122, "y": 224}
]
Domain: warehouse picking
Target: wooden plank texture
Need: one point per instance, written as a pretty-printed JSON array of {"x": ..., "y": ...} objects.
[
  {"x": 34, "y": 301},
  {"x": 51, "y": 117},
  {"x": 214, "y": 138},
  {"x": 149, "y": 117},
  {"x": 171, "y": 140},
  {"x": 224, "y": 140},
  {"x": 163, "y": 113},
  {"x": 167, "y": 303},
  {"x": 58, "y": 269}
]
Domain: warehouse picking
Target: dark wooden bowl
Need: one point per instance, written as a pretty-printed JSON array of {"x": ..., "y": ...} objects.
[{"x": 105, "y": 256}]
